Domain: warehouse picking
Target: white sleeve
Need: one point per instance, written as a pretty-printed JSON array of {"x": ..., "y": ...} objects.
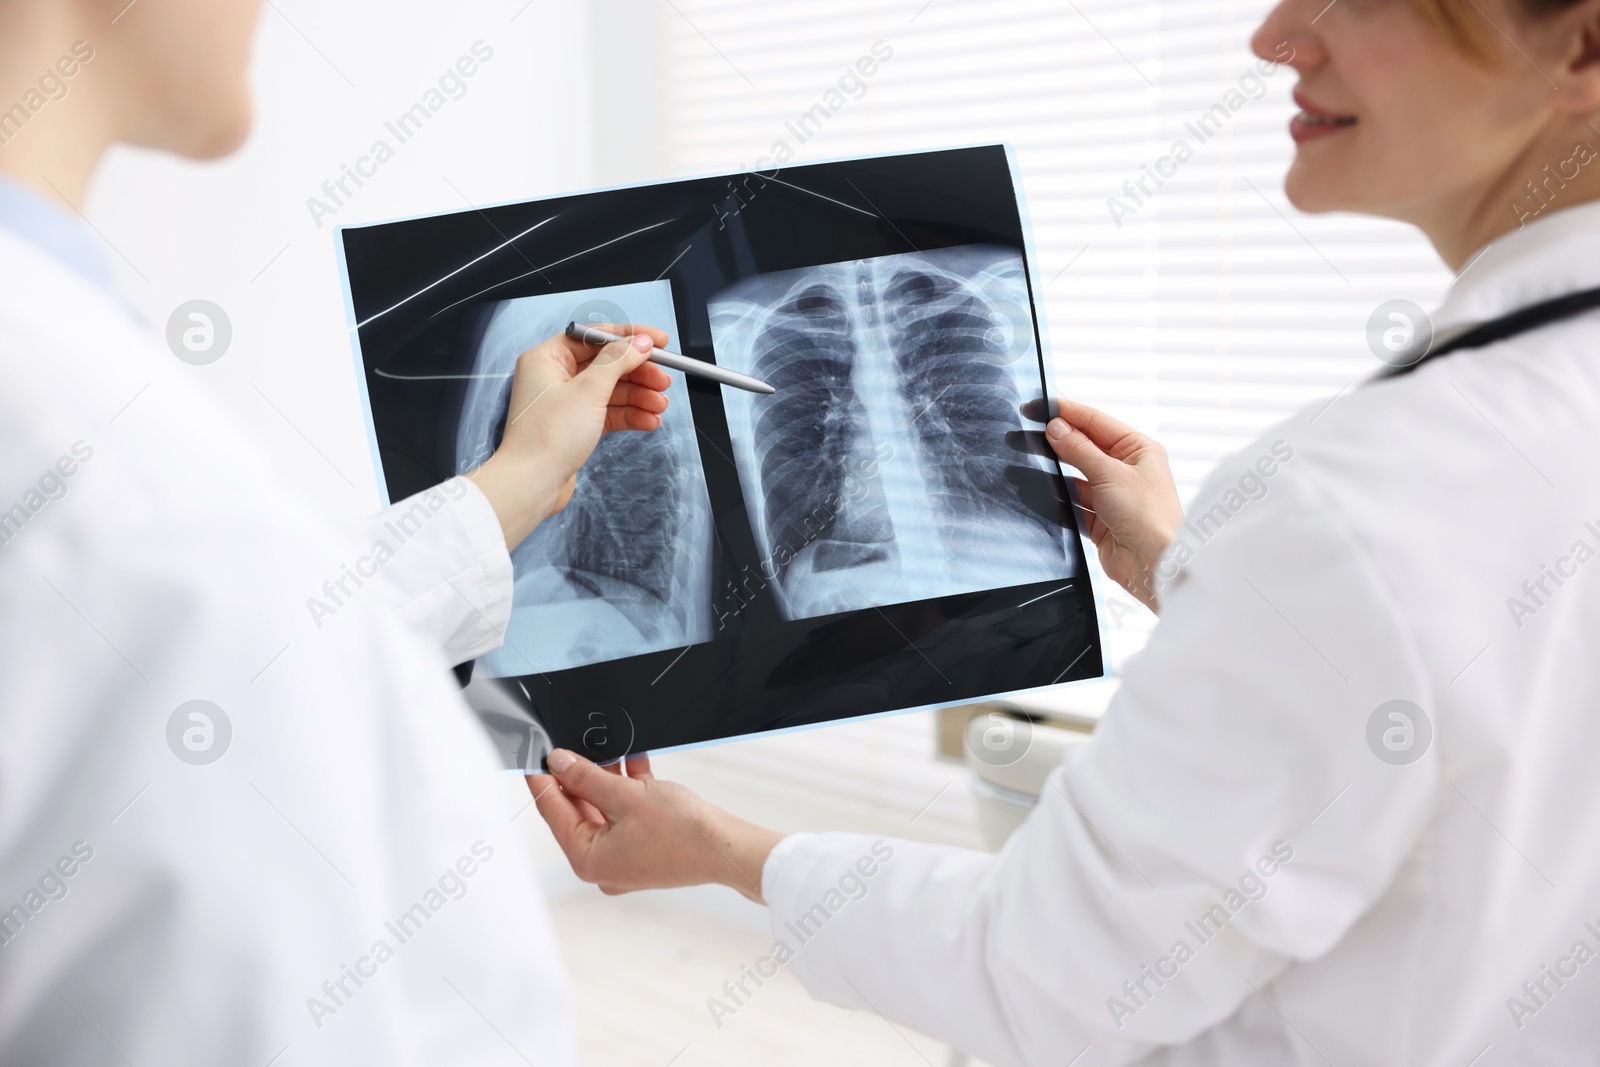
[
  {"x": 1228, "y": 820},
  {"x": 450, "y": 567}
]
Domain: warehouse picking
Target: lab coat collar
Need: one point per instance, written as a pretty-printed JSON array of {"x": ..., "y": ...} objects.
[
  {"x": 1549, "y": 258},
  {"x": 47, "y": 226}
]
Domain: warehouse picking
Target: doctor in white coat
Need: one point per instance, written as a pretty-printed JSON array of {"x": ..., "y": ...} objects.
[
  {"x": 232, "y": 831},
  {"x": 1345, "y": 808}
]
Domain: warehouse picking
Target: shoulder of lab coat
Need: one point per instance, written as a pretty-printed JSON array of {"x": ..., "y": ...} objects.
[
  {"x": 1238, "y": 737},
  {"x": 450, "y": 568},
  {"x": 217, "y": 913}
]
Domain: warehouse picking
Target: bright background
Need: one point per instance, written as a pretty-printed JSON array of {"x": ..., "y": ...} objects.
[{"x": 1209, "y": 313}]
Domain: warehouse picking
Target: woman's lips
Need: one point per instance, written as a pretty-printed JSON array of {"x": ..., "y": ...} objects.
[{"x": 1314, "y": 123}]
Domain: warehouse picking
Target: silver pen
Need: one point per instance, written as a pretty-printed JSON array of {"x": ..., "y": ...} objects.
[{"x": 591, "y": 336}]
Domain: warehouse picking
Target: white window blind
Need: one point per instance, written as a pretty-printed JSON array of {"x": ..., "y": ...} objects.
[{"x": 1213, "y": 310}]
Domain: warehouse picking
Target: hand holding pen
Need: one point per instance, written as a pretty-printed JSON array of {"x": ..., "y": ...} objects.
[
  {"x": 594, "y": 335},
  {"x": 564, "y": 396}
]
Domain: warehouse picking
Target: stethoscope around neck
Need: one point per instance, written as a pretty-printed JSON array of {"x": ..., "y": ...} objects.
[{"x": 1504, "y": 328}]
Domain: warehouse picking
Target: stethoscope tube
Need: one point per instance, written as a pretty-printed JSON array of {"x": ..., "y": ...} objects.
[{"x": 1525, "y": 320}]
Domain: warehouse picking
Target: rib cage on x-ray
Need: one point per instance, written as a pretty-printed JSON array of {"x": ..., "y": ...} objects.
[
  {"x": 811, "y": 433},
  {"x": 880, "y": 464},
  {"x": 624, "y": 532},
  {"x": 625, "y": 568}
]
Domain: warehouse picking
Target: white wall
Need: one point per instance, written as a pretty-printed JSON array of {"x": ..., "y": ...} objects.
[
  {"x": 632, "y": 76},
  {"x": 239, "y": 233}
]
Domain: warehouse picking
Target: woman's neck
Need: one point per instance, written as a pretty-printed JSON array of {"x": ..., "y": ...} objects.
[
  {"x": 1560, "y": 170},
  {"x": 51, "y": 141}
]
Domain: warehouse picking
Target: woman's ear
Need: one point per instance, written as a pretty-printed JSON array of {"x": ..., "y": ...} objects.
[{"x": 1579, "y": 93}]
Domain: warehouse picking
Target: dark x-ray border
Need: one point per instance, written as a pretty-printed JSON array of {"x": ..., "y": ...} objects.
[{"x": 415, "y": 292}]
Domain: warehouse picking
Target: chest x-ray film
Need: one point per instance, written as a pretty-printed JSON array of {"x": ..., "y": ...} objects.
[
  {"x": 885, "y": 532},
  {"x": 879, "y": 466},
  {"x": 625, "y": 568}
]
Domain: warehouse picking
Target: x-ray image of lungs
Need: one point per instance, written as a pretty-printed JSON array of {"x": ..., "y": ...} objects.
[
  {"x": 878, "y": 472},
  {"x": 625, "y": 568}
]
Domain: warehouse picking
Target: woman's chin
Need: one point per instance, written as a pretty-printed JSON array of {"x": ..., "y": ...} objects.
[
  {"x": 225, "y": 138},
  {"x": 1312, "y": 191},
  {"x": 204, "y": 137}
]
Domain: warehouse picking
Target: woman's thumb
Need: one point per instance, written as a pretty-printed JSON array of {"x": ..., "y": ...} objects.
[
  {"x": 1073, "y": 447},
  {"x": 581, "y": 778}
]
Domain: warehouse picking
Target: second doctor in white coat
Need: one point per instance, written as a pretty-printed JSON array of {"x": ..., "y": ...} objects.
[{"x": 1344, "y": 809}]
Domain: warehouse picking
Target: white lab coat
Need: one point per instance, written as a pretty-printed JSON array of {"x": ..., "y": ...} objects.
[
  {"x": 1386, "y": 560},
  {"x": 233, "y": 913}
]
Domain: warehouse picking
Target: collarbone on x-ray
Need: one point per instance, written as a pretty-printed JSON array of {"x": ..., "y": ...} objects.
[{"x": 877, "y": 474}]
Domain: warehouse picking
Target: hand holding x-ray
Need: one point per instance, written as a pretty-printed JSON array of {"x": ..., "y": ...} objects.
[
  {"x": 578, "y": 394},
  {"x": 625, "y": 831},
  {"x": 1128, "y": 500}
]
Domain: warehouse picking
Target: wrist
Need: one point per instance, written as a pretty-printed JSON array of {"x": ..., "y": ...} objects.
[
  {"x": 1141, "y": 578},
  {"x": 522, "y": 496},
  {"x": 744, "y": 848},
  {"x": 1160, "y": 534}
]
